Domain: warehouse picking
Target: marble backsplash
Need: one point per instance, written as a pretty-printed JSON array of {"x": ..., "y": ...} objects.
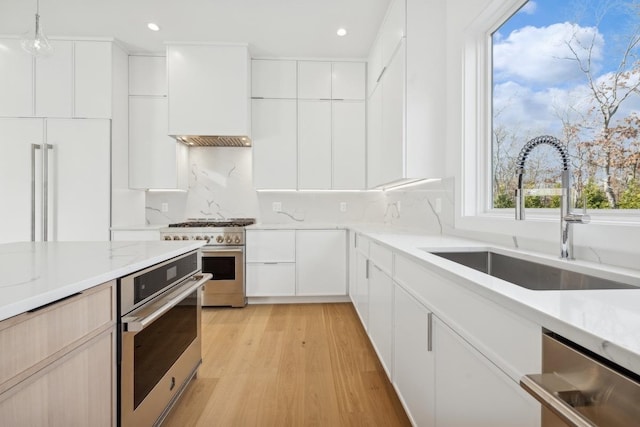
[{"x": 220, "y": 186}]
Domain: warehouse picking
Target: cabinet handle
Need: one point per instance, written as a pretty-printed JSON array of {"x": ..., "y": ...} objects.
[
  {"x": 270, "y": 263},
  {"x": 381, "y": 73},
  {"x": 429, "y": 331},
  {"x": 366, "y": 276}
]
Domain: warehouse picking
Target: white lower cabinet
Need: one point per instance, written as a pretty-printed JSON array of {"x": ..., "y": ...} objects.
[
  {"x": 413, "y": 363},
  {"x": 271, "y": 279},
  {"x": 381, "y": 315},
  {"x": 472, "y": 391},
  {"x": 321, "y": 262}
]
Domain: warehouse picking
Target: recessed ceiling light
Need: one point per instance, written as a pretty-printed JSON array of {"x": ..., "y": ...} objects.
[
  {"x": 153, "y": 26},
  {"x": 341, "y": 32}
]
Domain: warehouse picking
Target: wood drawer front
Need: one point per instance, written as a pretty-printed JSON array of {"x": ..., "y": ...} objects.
[
  {"x": 382, "y": 257},
  {"x": 35, "y": 338},
  {"x": 271, "y": 246},
  {"x": 76, "y": 390},
  {"x": 268, "y": 280},
  {"x": 510, "y": 341}
]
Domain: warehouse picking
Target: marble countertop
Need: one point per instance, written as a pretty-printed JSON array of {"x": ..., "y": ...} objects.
[
  {"x": 606, "y": 322},
  {"x": 38, "y": 273},
  {"x": 139, "y": 227}
]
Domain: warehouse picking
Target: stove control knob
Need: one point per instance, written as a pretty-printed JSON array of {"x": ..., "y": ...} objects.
[
  {"x": 219, "y": 239},
  {"x": 198, "y": 237},
  {"x": 237, "y": 239},
  {"x": 185, "y": 237},
  {"x": 176, "y": 237},
  {"x": 228, "y": 240},
  {"x": 167, "y": 238}
]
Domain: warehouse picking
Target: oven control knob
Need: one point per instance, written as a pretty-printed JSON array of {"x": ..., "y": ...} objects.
[
  {"x": 237, "y": 239},
  {"x": 198, "y": 237},
  {"x": 228, "y": 240},
  {"x": 176, "y": 237},
  {"x": 167, "y": 238},
  {"x": 219, "y": 239},
  {"x": 185, "y": 237}
]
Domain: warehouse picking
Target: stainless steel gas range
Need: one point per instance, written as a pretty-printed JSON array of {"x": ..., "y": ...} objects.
[{"x": 222, "y": 256}]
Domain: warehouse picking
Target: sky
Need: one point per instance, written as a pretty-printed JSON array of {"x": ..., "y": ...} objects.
[{"x": 534, "y": 78}]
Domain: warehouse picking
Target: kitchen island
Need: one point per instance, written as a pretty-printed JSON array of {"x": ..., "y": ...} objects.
[{"x": 58, "y": 327}]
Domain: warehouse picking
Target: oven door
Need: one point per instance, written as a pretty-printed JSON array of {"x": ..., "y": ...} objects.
[
  {"x": 161, "y": 351},
  {"x": 226, "y": 265}
]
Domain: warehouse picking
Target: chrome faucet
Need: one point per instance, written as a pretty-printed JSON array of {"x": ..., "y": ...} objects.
[{"x": 567, "y": 218}]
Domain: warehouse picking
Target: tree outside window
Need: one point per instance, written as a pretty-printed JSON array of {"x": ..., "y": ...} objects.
[{"x": 570, "y": 70}]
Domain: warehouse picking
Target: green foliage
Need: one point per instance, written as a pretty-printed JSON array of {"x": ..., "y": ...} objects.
[
  {"x": 630, "y": 197},
  {"x": 504, "y": 200},
  {"x": 596, "y": 197}
]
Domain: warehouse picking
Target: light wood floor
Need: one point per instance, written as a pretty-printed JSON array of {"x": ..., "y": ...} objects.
[{"x": 287, "y": 365}]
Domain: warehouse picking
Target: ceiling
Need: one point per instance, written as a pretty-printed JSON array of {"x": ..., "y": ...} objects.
[{"x": 273, "y": 28}]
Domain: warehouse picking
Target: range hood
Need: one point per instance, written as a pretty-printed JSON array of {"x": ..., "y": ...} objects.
[{"x": 214, "y": 141}]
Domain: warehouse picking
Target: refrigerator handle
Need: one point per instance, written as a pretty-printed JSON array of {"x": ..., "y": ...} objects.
[
  {"x": 34, "y": 147},
  {"x": 45, "y": 191}
]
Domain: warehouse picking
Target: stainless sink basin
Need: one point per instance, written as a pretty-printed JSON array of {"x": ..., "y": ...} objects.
[{"x": 528, "y": 274}]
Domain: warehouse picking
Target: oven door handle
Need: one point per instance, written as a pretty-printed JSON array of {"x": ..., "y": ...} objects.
[
  {"x": 223, "y": 250},
  {"x": 139, "y": 319}
]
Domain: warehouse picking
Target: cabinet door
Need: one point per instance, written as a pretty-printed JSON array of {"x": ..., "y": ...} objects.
[
  {"x": 314, "y": 145},
  {"x": 16, "y": 168},
  {"x": 271, "y": 246},
  {"x": 413, "y": 361},
  {"x": 353, "y": 284},
  {"x": 78, "y": 390},
  {"x": 153, "y": 155},
  {"x": 271, "y": 279},
  {"x": 349, "y": 145},
  {"x": 148, "y": 75},
  {"x": 321, "y": 262},
  {"x": 16, "y": 84},
  {"x": 314, "y": 80},
  {"x": 393, "y": 29},
  {"x": 273, "y": 79},
  {"x": 374, "y": 139},
  {"x": 490, "y": 397},
  {"x": 381, "y": 315},
  {"x": 92, "y": 70},
  {"x": 348, "y": 80},
  {"x": 81, "y": 181},
  {"x": 362, "y": 291},
  {"x": 54, "y": 82},
  {"x": 392, "y": 144},
  {"x": 374, "y": 65},
  {"x": 274, "y": 129}
]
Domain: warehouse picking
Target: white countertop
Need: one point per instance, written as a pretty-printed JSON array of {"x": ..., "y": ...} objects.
[
  {"x": 139, "y": 227},
  {"x": 606, "y": 322},
  {"x": 38, "y": 273}
]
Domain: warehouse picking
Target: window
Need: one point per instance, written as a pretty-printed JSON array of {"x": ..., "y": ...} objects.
[{"x": 570, "y": 70}]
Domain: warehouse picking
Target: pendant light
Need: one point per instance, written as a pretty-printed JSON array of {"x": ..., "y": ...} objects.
[{"x": 37, "y": 44}]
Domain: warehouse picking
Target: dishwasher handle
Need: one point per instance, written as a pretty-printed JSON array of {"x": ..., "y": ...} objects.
[{"x": 547, "y": 389}]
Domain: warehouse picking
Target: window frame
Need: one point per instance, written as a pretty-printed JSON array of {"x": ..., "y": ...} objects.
[{"x": 476, "y": 172}]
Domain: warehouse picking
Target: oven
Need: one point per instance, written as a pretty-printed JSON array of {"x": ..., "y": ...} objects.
[
  {"x": 160, "y": 337},
  {"x": 227, "y": 285},
  {"x": 222, "y": 256}
]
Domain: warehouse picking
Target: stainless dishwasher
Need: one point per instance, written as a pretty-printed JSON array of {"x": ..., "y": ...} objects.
[{"x": 578, "y": 388}]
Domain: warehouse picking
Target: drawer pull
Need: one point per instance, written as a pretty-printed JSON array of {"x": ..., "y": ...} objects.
[{"x": 54, "y": 302}]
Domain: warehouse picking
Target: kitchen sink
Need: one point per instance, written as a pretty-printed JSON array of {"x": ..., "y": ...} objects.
[{"x": 529, "y": 274}]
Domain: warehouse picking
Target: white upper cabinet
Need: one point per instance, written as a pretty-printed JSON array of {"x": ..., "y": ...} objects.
[
  {"x": 314, "y": 80},
  {"x": 209, "y": 89},
  {"x": 348, "y": 80},
  {"x": 274, "y": 144},
  {"x": 16, "y": 84},
  {"x": 314, "y": 145},
  {"x": 148, "y": 75},
  {"x": 374, "y": 65},
  {"x": 54, "y": 82},
  {"x": 273, "y": 79},
  {"x": 349, "y": 145},
  {"x": 393, "y": 29},
  {"x": 92, "y": 71},
  {"x": 392, "y": 148},
  {"x": 74, "y": 82}
]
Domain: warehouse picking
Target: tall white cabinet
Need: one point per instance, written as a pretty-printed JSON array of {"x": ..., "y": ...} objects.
[
  {"x": 325, "y": 146},
  {"x": 77, "y": 197}
]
